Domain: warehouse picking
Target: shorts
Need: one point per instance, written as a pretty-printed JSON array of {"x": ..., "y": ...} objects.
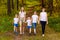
[
  {"x": 29, "y": 27},
  {"x": 16, "y": 25},
  {"x": 34, "y": 25},
  {"x": 22, "y": 20}
]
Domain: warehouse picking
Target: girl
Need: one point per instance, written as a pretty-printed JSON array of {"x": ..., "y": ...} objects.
[
  {"x": 15, "y": 23},
  {"x": 29, "y": 25},
  {"x": 22, "y": 15}
]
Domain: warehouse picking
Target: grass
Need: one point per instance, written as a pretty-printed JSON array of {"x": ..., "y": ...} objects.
[{"x": 50, "y": 34}]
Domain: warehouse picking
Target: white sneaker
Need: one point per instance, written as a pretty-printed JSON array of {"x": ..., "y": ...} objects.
[
  {"x": 23, "y": 32},
  {"x": 43, "y": 35},
  {"x": 34, "y": 32}
]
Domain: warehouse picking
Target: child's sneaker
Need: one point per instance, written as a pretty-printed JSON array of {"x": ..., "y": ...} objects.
[
  {"x": 16, "y": 33},
  {"x": 23, "y": 32}
]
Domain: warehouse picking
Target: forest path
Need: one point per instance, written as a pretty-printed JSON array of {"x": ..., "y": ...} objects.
[{"x": 50, "y": 34}]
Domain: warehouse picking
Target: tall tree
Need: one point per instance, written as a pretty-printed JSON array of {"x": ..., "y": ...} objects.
[
  {"x": 17, "y": 4},
  {"x": 50, "y": 6},
  {"x": 42, "y": 3},
  {"x": 9, "y": 7},
  {"x": 12, "y": 4},
  {"x": 22, "y": 2}
]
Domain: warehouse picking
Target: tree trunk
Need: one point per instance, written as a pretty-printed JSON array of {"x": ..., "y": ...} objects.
[
  {"x": 42, "y": 3},
  {"x": 22, "y": 3},
  {"x": 9, "y": 7},
  {"x": 50, "y": 6},
  {"x": 17, "y": 4},
  {"x": 12, "y": 4}
]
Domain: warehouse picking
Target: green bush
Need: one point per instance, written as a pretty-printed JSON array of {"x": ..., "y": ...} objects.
[
  {"x": 54, "y": 22},
  {"x": 6, "y": 23}
]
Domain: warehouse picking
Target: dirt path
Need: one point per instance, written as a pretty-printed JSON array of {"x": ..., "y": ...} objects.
[{"x": 50, "y": 34}]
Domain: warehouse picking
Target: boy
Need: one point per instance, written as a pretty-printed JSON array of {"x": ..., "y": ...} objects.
[
  {"x": 15, "y": 23},
  {"x": 34, "y": 21},
  {"x": 29, "y": 24}
]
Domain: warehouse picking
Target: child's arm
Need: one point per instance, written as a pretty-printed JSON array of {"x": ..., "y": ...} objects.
[
  {"x": 13, "y": 22},
  {"x": 31, "y": 20},
  {"x": 26, "y": 21},
  {"x": 38, "y": 19},
  {"x": 19, "y": 18}
]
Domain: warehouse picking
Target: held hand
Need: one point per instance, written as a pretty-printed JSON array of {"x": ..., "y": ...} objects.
[
  {"x": 25, "y": 22},
  {"x": 38, "y": 22},
  {"x": 47, "y": 22}
]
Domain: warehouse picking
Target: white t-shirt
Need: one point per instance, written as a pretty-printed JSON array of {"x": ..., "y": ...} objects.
[
  {"x": 16, "y": 20},
  {"x": 43, "y": 16},
  {"x": 22, "y": 14},
  {"x": 34, "y": 18},
  {"x": 29, "y": 23}
]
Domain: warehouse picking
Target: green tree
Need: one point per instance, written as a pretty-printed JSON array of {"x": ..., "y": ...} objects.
[
  {"x": 12, "y": 4},
  {"x": 17, "y": 4},
  {"x": 50, "y": 6},
  {"x": 8, "y": 7},
  {"x": 42, "y": 3}
]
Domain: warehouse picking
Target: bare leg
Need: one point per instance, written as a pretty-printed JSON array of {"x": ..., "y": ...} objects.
[
  {"x": 34, "y": 31},
  {"x": 23, "y": 27},
  {"x": 30, "y": 30},
  {"x": 20, "y": 28},
  {"x": 23, "y": 30},
  {"x": 14, "y": 29}
]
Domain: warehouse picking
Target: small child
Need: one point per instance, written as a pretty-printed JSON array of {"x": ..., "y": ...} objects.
[
  {"x": 29, "y": 25},
  {"x": 15, "y": 23},
  {"x": 34, "y": 21}
]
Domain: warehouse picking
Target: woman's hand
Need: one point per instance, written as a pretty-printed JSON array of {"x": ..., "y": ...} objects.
[
  {"x": 38, "y": 22},
  {"x": 47, "y": 22}
]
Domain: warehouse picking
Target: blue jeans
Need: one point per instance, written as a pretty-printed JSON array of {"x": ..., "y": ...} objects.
[{"x": 34, "y": 25}]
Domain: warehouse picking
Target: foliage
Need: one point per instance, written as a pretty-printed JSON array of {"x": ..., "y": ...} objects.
[
  {"x": 6, "y": 23},
  {"x": 54, "y": 22}
]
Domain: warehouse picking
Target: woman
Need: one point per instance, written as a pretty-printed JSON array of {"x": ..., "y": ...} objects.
[
  {"x": 22, "y": 15},
  {"x": 43, "y": 20}
]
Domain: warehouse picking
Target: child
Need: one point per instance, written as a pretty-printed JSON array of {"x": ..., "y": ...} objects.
[
  {"x": 22, "y": 15},
  {"x": 34, "y": 21},
  {"x": 15, "y": 23},
  {"x": 29, "y": 24}
]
